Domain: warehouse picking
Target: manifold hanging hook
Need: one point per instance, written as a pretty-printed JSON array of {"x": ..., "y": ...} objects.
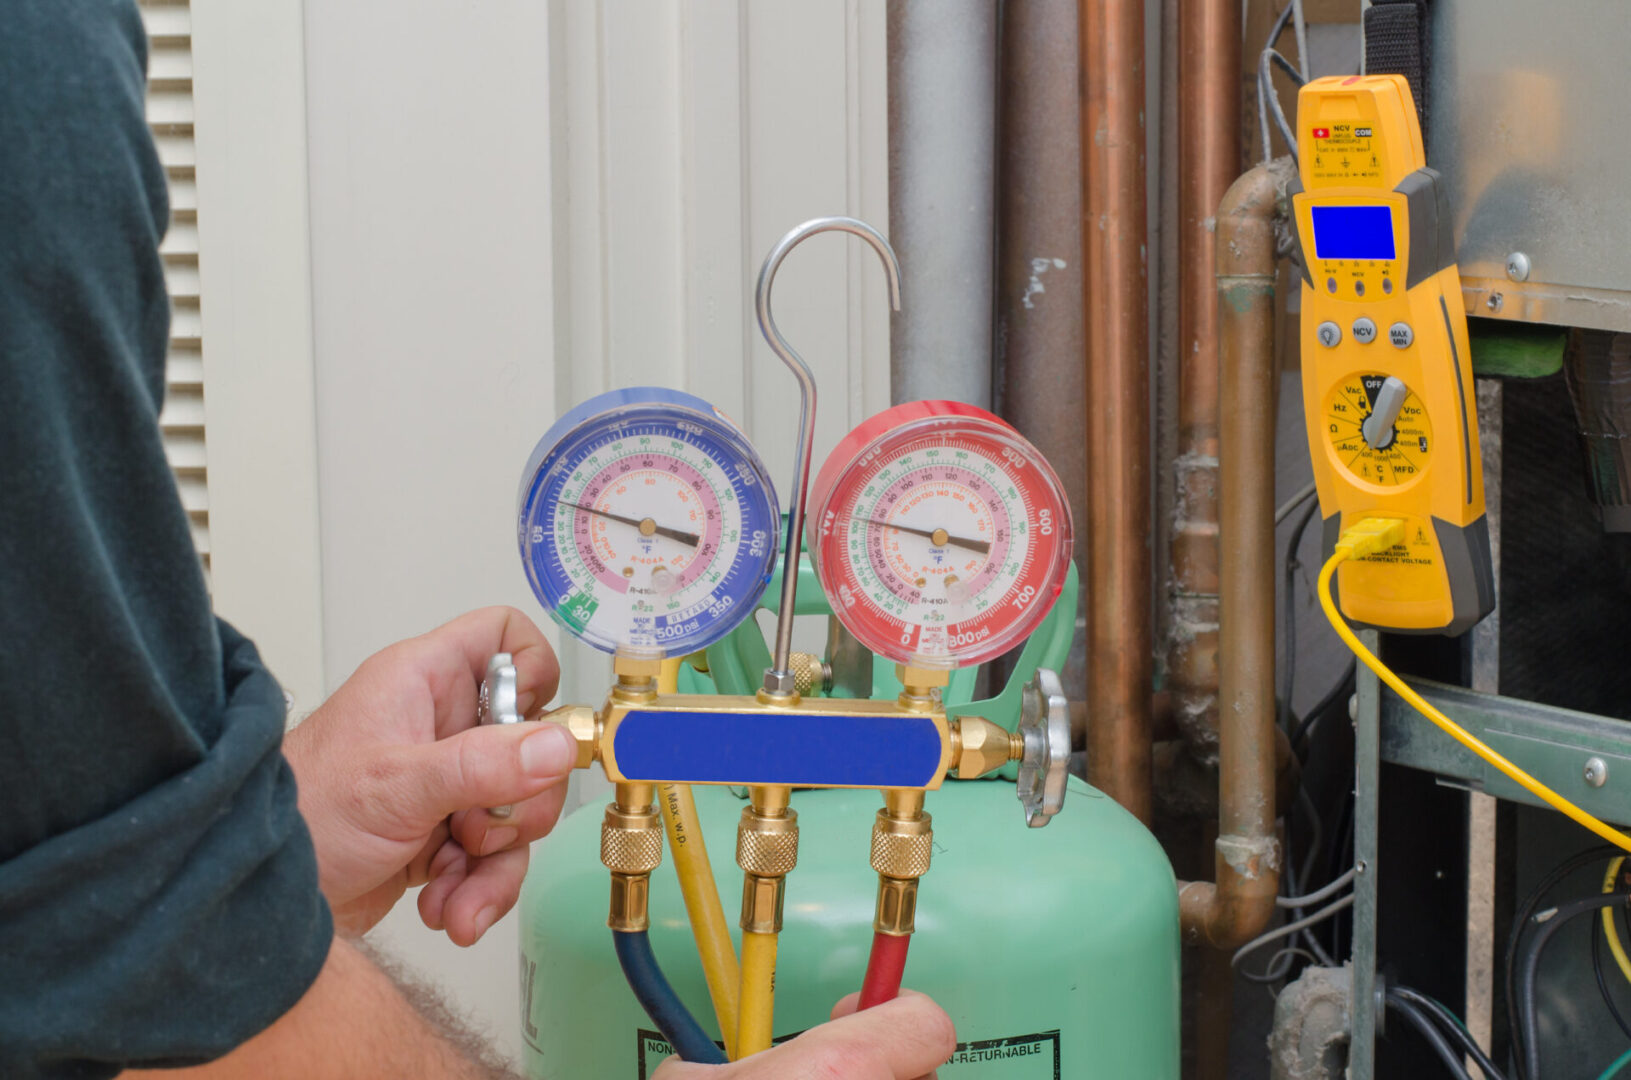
[{"x": 779, "y": 677}]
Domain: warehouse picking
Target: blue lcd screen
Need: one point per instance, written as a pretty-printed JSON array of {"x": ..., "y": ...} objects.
[{"x": 1353, "y": 232}]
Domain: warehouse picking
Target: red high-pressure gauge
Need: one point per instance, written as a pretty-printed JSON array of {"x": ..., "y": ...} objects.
[{"x": 941, "y": 536}]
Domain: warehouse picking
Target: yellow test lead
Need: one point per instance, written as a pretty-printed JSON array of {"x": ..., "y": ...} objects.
[{"x": 1375, "y": 534}]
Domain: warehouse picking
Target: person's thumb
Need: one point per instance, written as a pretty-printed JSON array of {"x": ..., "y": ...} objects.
[{"x": 486, "y": 766}]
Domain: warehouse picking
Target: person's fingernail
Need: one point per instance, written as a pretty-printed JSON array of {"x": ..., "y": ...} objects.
[
  {"x": 498, "y": 839},
  {"x": 549, "y": 752},
  {"x": 485, "y": 918}
]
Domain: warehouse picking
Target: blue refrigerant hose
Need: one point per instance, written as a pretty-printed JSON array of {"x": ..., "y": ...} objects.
[{"x": 664, "y": 1006}]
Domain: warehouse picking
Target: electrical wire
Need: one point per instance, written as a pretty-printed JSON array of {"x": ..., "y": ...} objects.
[
  {"x": 1341, "y": 691},
  {"x": 1295, "y": 501},
  {"x": 1614, "y": 1070},
  {"x": 885, "y": 966},
  {"x": 1274, "y": 971},
  {"x": 1316, "y": 896},
  {"x": 1279, "y": 27},
  {"x": 1265, "y": 79},
  {"x": 1547, "y": 923},
  {"x": 1610, "y": 929},
  {"x": 758, "y": 997},
  {"x": 1520, "y": 921},
  {"x": 661, "y": 1003},
  {"x": 1288, "y": 617},
  {"x": 1291, "y": 928},
  {"x": 1429, "y": 1031},
  {"x": 1602, "y": 981},
  {"x": 1450, "y": 727},
  {"x": 1452, "y": 1026}
]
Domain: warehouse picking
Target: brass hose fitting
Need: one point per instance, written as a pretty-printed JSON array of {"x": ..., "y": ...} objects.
[
  {"x": 631, "y": 847},
  {"x": 980, "y": 746},
  {"x": 767, "y": 849},
  {"x": 902, "y": 841}
]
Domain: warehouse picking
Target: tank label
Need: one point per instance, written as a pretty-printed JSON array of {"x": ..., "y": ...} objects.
[{"x": 1014, "y": 1057}]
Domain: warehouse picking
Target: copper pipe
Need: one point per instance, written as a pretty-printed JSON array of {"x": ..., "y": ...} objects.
[
  {"x": 1208, "y": 149},
  {"x": 1231, "y": 911},
  {"x": 1117, "y": 409}
]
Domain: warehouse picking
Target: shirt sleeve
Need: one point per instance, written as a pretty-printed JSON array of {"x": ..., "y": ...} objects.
[{"x": 158, "y": 889}]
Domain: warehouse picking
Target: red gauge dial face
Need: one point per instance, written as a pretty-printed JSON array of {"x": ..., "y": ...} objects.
[{"x": 940, "y": 535}]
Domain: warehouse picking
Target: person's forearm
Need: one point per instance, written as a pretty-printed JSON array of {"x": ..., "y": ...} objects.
[{"x": 355, "y": 1023}]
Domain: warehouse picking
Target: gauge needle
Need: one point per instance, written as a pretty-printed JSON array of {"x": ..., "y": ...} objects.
[
  {"x": 939, "y": 537},
  {"x": 646, "y": 526}
]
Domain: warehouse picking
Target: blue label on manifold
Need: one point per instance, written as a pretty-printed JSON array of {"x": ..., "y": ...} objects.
[{"x": 818, "y": 750}]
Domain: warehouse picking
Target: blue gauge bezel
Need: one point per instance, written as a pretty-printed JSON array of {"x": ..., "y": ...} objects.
[{"x": 648, "y": 410}]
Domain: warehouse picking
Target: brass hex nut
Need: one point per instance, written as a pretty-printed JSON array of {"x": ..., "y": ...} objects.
[
  {"x": 984, "y": 747},
  {"x": 582, "y": 724}
]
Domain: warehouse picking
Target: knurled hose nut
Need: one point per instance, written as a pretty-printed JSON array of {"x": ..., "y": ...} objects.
[
  {"x": 767, "y": 846},
  {"x": 901, "y": 847},
  {"x": 631, "y": 842},
  {"x": 808, "y": 677}
]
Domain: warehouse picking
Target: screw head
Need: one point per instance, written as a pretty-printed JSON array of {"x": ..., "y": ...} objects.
[
  {"x": 1495, "y": 301},
  {"x": 1517, "y": 266},
  {"x": 1596, "y": 771}
]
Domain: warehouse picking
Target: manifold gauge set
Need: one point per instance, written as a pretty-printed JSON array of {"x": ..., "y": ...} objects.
[{"x": 650, "y": 528}]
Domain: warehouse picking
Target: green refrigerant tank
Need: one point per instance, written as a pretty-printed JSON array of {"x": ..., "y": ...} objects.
[{"x": 1055, "y": 950}]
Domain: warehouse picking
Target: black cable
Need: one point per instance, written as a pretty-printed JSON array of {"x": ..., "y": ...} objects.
[
  {"x": 1536, "y": 946},
  {"x": 1520, "y": 920},
  {"x": 1430, "y": 1032},
  {"x": 1602, "y": 982},
  {"x": 1338, "y": 693},
  {"x": 1452, "y": 1027},
  {"x": 1288, "y": 677}
]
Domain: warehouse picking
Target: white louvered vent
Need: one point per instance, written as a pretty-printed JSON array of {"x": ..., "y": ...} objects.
[{"x": 170, "y": 114}]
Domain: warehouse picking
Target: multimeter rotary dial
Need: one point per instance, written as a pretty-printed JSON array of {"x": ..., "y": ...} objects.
[{"x": 1377, "y": 429}]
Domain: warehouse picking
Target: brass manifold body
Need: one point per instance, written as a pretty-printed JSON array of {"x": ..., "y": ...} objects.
[{"x": 767, "y": 836}]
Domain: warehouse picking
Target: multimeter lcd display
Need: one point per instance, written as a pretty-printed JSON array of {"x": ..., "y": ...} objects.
[{"x": 1353, "y": 232}]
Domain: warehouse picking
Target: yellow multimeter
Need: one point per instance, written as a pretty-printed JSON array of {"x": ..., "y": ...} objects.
[{"x": 1387, "y": 377}]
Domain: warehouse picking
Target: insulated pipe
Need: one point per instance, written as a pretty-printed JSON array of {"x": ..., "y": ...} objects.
[
  {"x": 942, "y": 179},
  {"x": 1229, "y": 912},
  {"x": 1208, "y": 156},
  {"x": 1039, "y": 338},
  {"x": 1117, "y": 409}
]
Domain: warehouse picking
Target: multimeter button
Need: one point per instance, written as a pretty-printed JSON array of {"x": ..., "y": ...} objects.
[
  {"x": 1401, "y": 335},
  {"x": 1329, "y": 333},
  {"x": 1364, "y": 331}
]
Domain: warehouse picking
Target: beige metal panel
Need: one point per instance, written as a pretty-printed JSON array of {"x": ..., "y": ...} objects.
[
  {"x": 248, "y": 336},
  {"x": 1526, "y": 124}
]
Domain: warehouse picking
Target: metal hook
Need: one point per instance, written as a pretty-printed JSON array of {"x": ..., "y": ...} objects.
[{"x": 779, "y": 677}]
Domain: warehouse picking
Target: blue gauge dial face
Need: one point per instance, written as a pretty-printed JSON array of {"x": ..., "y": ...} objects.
[{"x": 648, "y": 525}]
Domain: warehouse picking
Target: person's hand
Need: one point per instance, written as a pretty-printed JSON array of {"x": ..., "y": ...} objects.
[
  {"x": 904, "y": 1039},
  {"x": 393, "y": 774}
]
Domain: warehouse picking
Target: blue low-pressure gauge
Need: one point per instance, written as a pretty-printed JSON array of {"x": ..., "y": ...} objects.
[{"x": 647, "y": 522}]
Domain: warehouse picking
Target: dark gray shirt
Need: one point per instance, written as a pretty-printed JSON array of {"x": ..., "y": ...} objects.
[{"x": 158, "y": 889}]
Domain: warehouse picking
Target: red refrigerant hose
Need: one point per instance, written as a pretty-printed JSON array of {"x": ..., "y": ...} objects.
[{"x": 884, "y": 968}]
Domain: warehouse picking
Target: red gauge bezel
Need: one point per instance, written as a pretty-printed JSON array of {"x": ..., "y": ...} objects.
[{"x": 871, "y": 449}]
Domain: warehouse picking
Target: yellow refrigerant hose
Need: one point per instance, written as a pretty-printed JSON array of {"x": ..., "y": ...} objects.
[
  {"x": 702, "y": 904},
  {"x": 758, "y": 993},
  {"x": 1376, "y": 534}
]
